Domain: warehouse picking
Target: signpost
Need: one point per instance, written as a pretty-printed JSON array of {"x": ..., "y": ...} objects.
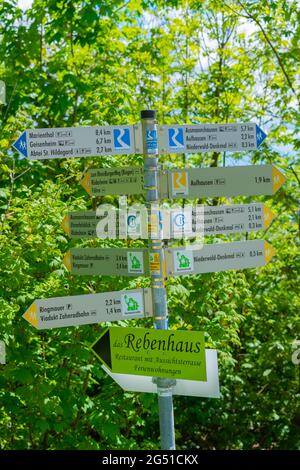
[
  {"x": 169, "y": 362},
  {"x": 107, "y": 181},
  {"x": 218, "y": 257},
  {"x": 107, "y": 261},
  {"x": 87, "y": 309},
  {"x": 156, "y": 353},
  {"x": 224, "y": 181},
  {"x": 70, "y": 142},
  {"x": 196, "y": 138}
]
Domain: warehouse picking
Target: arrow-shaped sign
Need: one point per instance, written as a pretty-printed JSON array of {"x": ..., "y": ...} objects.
[
  {"x": 87, "y": 309},
  {"x": 224, "y": 181},
  {"x": 156, "y": 353},
  {"x": 70, "y": 142},
  {"x": 186, "y": 222},
  {"x": 196, "y": 138},
  {"x": 193, "y": 221},
  {"x": 107, "y": 181},
  {"x": 107, "y": 223},
  {"x": 218, "y": 257},
  {"x": 107, "y": 261},
  {"x": 142, "y": 383}
]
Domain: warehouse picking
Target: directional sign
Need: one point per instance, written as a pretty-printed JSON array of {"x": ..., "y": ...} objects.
[
  {"x": 70, "y": 142},
  {"x": 196, "y": 138},
  {"x": 224, "y": 181},
  {"x": 156, "y": 353},
  {"x": 106, "y": 181},
  {"x": 234, "y": 218},
  {"x": 106, "y": 223},
  {"x": 142, "y": 383},
  {"x": 218, "y": 257},
  {"x": 87, "y": 309},
  {"x": 107, "y": 261},
  {"x": 189, "y": 221},
  {"x": 186, "y": 222}
]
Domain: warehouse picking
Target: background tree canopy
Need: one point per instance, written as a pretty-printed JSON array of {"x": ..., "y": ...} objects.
[{"x": 71, "y": 63}]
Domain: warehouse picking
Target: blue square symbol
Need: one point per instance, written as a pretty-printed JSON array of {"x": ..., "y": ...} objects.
[
  {"x": 176, "y": 139},
  {"x": 121, "y": 138}
]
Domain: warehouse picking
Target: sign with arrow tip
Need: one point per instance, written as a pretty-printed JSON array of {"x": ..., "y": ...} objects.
[
  {"x": 198, "y": 138},
  {"x": 156, "y": 353},
  {"x": 87, "y": 309},
  {"x": 224, "y": 181},
  {"x": 107, "y": 181},
  {"x": 187, "y": 222},
  {"x": 107, "y": 261},
  {"x": 70, "y": 142},
  {"x": 218, "y": 257}
]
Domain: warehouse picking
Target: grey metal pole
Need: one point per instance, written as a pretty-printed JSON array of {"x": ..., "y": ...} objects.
[{"x": 158, "y": 271}]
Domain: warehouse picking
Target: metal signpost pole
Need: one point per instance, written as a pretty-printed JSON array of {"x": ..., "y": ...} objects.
[{"x": 157, "y": 269}]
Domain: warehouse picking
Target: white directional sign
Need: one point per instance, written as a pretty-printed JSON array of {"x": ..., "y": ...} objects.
[
  {"x": 186, "y": 222},
  {"x": 107, "y": 223},
  {"x": 77, "y": 310},
  {"x": 107, "y": 181},
  {"x": 189, "y": 221},
  {"x": 70, "y": 142},
  {"x": 107, "y": 261},
  {"x": 195, "y": 388},
  {"x": 218, "y": 257},
  {"x": 224, "y": 181},
  {"x": 196, "y": 138}
]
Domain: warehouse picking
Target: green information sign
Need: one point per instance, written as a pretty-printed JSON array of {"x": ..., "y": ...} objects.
[{"x": 157, "y": 353}]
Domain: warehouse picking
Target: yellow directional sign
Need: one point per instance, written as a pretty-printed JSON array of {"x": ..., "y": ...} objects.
[
  {"x": 269, "y": 252},
  {"x": 31, "y": 315},
  {"x": 278, "y": 179},
  {"x": 65, "y": 225},
  {"x": 268, "y": 216},
  {"x": 86, "y": 183}
]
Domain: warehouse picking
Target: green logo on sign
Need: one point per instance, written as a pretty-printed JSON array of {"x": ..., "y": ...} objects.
[
  {"x": 184, "y": 262},
  {"x": 131, "y": 303},
  {"x": 135, "y": 262}
]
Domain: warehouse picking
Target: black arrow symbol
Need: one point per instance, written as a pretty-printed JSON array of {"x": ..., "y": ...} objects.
[{"x": 101, "y": 348}]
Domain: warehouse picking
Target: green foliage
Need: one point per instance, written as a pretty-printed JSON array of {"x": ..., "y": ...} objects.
[{"x": 73, "y": 63}]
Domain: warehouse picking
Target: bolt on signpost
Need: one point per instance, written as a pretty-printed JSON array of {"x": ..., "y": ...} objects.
[{"x": 157, "y": 272}]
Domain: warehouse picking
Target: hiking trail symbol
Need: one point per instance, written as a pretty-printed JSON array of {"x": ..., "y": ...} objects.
[
  {"x": 184, "y": 262},
  {"x": 135, "y": 262},
  {"x": 121, "y": 138},
  {"x": 131, "y": 303}
]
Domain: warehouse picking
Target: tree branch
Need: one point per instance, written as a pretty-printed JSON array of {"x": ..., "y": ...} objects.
[{"x": 269, "y": 42}]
